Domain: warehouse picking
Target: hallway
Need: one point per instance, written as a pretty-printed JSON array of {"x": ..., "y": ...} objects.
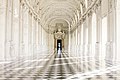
[{"x": 59, "y": 40}]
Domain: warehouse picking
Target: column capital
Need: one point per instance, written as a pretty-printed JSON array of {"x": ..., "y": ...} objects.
[
  {"x": 30, "y": 12},
  {"x": 22, "y": 2},
  {"x": 89, "y": 13}
]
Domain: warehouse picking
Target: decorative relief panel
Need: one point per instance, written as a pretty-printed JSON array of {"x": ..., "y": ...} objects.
[{"x": 2, "y": 7}]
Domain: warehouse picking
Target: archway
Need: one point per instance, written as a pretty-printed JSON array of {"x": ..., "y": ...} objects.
[{"x": 59, "y": 46}]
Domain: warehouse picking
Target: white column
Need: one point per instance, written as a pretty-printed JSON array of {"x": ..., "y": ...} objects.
[
  {"x": 41, "y": 46},
  {"x": 25, "y": 31},
  {"x": 40, "y": 30},
  {"x": 34, "y": 35},
  {"x": 81, "y": 55},
  {"x": 89, "y": 36},
  {"x": 3, "y": 17},
  {"x": 90, "y": 40},
  {"x": 21, "y": 30},
  {"x": 93, "y": 40},
  {"x": 15, "y": 31},
  {"x": 85, "y": 44},
  {"x": 110, "y": 54},
  {"x": 30, "y": 33},
  {"x": 118, "y": 29},
  {"x": 118, "y": 36},
  {"x": 104, "y": 37},
  {"x": 8, "y": 32},
  {"x": 75, "y": 42},
  {"x": 98, "y": 35},
  {"x": 37, "y": 35},
  {"x": 69, "y": 44},
  {"x": 93, "y": 34},
  {"x": 84, "y": 38}
]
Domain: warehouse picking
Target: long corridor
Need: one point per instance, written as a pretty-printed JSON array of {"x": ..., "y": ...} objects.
[{"x": 59, "y": 39}]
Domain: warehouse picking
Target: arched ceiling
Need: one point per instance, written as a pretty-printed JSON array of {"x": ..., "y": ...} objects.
[{"x": 65, "y": 12}]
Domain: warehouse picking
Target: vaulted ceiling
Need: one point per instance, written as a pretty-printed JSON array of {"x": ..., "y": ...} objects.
[{"x": 66, "y": 12}]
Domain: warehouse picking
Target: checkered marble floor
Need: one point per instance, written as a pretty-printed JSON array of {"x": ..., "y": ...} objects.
[{"x": 55, "y": 66}]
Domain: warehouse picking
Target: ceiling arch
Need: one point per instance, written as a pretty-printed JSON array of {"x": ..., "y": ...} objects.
[
  {"x": 52, "y": 12},
  {"x": 48, "y": 22},
  {"x": 59, "y": 13}
]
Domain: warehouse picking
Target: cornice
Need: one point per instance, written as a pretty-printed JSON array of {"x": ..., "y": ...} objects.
[{"x": 92, "y": 8}]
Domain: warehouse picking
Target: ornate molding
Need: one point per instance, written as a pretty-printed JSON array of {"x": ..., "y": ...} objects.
[
  {"x": 89, "y": 13},
  {"x": 31, "y": 9},
  {"x": 2, "y": 8},
  {"x": 22, "y": 2},
  {"x": 92, "y": 8},
  {"x": 59, "y": 34}
]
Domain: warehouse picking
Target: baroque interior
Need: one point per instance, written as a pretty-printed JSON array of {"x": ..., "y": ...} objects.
[{"x": 59, "y": 40}]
